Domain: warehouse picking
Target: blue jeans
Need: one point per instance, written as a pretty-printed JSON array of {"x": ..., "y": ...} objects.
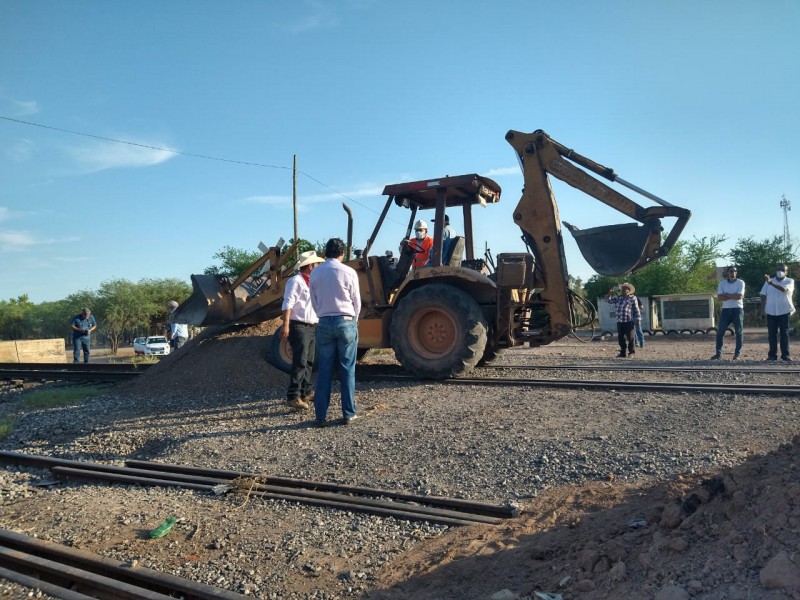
[
  {"x": 337, "y": 341},
  {"x": 80, "y": 343},
  {"x": 730, "y": 316},
  {"x": 777, "y": 323},
  {"x": 637, "y": 330}
]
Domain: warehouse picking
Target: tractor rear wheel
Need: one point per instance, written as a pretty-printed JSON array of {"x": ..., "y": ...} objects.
[{"x": 438, "y": 331}]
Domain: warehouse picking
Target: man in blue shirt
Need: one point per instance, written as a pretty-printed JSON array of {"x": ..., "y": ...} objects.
[{"x": 82, "y": 325}]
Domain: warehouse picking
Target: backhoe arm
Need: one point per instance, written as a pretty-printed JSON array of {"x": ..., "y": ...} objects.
[{"x": 610, "y": 250}]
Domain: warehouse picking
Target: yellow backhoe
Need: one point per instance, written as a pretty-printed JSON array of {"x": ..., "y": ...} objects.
[{"x": 461, "y": 310}]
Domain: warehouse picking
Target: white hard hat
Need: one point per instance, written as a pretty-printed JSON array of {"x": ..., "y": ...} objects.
[{"x": 420, "y": 224}]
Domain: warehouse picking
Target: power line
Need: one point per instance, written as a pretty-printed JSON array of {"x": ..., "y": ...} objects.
[{"x": 192, "y": 155}]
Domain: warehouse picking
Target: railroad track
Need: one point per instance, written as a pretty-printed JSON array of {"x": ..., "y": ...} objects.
[
  {"x": 72, "y": 574},
  {"x": 105, "y": 372},
  {"x": 386, "y": 503},
  {"x": 70, "y": 371}
]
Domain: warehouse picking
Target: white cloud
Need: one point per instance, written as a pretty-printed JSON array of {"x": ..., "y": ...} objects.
[
  {"x": 12, "y": 241},
  {"x": 320, "y": 16},
  {"x": 98, "y": 156},
  {"x": 5, "y": 214},
  {"x": 503, "y": 171},
  {"x": 25, "y": 107},
  {"x": 306, "y": 199},
  {"x": 19, "y": 151}
]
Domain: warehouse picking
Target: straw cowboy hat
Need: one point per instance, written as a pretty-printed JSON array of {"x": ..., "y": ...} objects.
[
  {"x": 629, "y": 286},
  {"x": 308, "y": 258}
]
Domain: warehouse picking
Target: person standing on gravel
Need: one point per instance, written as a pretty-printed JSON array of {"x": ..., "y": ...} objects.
[
  {"x": 300, "y": 326},
  {"x": 627, "y": 312},
  {"x": 731, "y": 292},
  {"x": 777, "y": 305},
  {"x": 637, "y": 326},
  {"x": 177, "y": 333},
  {"x": 82, "y": 325},
  {"x": 336, "y": 297}
]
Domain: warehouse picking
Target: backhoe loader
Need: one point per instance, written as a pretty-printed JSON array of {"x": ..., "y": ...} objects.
[{"x": 462, "y": 311}]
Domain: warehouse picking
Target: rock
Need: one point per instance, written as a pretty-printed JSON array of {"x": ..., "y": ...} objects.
[
  {"x": 589, "y": 558},
  {"x": 671, "y": 517},
  {"x": 781, "y": 573},
  {"x": 678, "y": 544},
  {"x": 618, "y": 572},
  {"x": 504, "y": 595},
  {"x": 672, "y": 592},
  {"x": 584, "y": 585}
]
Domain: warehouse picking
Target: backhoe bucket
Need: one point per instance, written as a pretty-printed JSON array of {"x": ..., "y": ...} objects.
[
  {"x": 612, "y": 249},
  {"x": 210, "y": 303}
]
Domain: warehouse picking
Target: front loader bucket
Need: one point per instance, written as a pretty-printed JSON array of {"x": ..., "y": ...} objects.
[
  {"x": 210, "y": 303},
  {"x": 613, "y": 249}
]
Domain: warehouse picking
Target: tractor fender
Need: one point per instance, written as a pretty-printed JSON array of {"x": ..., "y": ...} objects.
[{"x": 476, "y": 284}]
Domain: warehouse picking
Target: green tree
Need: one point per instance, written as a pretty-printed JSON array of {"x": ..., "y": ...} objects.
[
  {"x": 756, "y": 258},
  {"x": 122, "y": 306},
  {"x": 688, "y": 268},
  {"x": 15, "y": 318},
  {"x": 233, "y": 262}
]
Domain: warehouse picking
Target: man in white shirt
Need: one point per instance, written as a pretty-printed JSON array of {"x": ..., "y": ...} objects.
[
  {"x": 336, "y": 297},
  {"x": 776, "y": 304},
  {"x": 731, "y": 292},
  {"x": 299, "y": 325},
  {"x": 177, "y": 333}
]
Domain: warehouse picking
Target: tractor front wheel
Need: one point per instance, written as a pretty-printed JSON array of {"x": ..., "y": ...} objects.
[{"x": 438, "y": 331}]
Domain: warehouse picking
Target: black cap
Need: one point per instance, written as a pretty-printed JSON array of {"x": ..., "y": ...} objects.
[{"x": 446, "y": 219}]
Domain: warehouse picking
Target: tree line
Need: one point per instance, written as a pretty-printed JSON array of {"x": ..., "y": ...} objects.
[{"x": 125, "y": 309}]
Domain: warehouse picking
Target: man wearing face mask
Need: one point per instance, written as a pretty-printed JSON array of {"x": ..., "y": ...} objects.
[
  {"x": 777, "y": 306},
  {"x": 421, "y": 244},
  {"x": 731, "y": 292}
]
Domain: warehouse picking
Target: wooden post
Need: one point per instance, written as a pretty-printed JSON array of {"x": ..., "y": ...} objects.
[{"x": 294, "y": 205}]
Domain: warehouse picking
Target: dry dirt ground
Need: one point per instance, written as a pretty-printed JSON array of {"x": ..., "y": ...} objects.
[{"x": 735, "y": 530}]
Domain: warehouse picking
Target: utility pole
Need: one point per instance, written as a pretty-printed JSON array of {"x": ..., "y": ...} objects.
[
  {"x": 786, "y": 206},
  {"x": 294, "y": 204}
]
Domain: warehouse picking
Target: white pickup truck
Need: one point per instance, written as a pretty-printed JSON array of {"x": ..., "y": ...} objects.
[{"x": 155, "y": 345}]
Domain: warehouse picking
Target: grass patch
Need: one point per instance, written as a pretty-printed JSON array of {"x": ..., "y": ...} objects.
[
  {"x": 6, "y": 426},
  {"x": 141, "y": 359},
  {"x": 57, "y": 397}
]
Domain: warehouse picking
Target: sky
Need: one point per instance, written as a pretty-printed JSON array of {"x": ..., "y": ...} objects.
[{"x": 693, "y": 101}]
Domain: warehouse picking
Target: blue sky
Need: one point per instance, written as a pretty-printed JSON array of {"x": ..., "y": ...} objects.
[{"x": 694, "y": 101}]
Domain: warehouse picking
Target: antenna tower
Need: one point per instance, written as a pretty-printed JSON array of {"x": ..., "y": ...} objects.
[{"x": 786, "y": 206}]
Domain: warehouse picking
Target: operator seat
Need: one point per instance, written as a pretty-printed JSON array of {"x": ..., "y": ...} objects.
[{"x": 452, "y": 251}]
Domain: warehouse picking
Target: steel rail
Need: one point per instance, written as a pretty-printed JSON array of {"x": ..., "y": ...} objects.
[
  {"x": 77, "y": 366},
  {"x": 98, "y": 566},
  {"x": 27, "y": 563},
  {"x": 472, "y": 506},
  {"x": 658, "y": 386},
  {"x": 449, "y": 511},
  {"x": 62, "y": 375},
  {"x": 350, "y": 503},
  {"x": 51, "y": 589},
  {"x": 407, "y": 512},
  {"x": 671, "y": 368}
]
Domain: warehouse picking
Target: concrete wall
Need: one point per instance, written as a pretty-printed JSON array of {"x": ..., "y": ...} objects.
[{"x": 33, "y": 351}]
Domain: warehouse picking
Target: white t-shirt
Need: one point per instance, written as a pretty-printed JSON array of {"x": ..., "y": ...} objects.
[
  {"x": 732, "y": 287},
  {"x": 778, "y": 302}
]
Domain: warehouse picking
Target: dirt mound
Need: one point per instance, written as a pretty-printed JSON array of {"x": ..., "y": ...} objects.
[
  {"x": 228, "y": 361},
  {"x": 732, "y": 536}
]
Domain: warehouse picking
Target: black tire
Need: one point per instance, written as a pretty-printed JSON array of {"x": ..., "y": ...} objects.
[
  {"x": 490, "y": 356},
  {"x": 438, "y": 331},
  {"x": 280, "y": 353},
  {"x": 672, "y": 332},
  {"x": 686, "y": 332}
]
